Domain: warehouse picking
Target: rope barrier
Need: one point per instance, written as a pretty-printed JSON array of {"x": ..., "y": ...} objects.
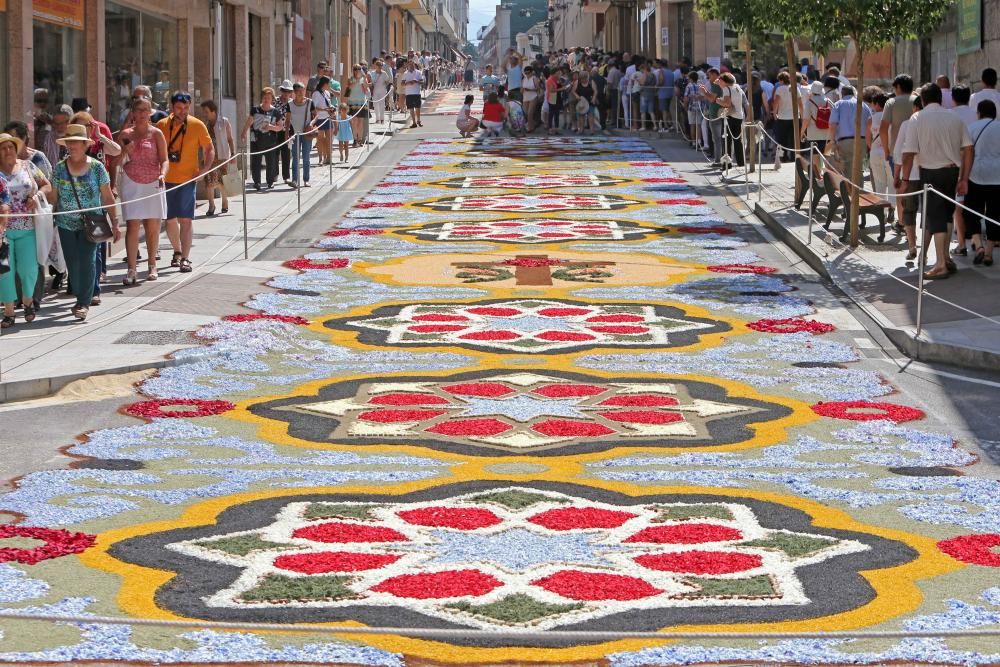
[{"x": 471, "y": 633}]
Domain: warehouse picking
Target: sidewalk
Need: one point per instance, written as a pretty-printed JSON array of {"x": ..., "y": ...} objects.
[
  {"x": 877, "y": 277},
  {"x": 138, "y": 327}
]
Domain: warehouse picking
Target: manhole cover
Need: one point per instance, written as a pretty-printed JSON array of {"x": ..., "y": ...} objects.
[{"x": 173, "y": 337}]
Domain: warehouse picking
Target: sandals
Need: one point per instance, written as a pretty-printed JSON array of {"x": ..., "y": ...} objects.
[
  {"x": 940, "y": 275},
  {"x": 130, "y": 278},
  {"x": 79, "y": 312},
  {"x": 7, "y": 322},
  {"x": 960, "y": 250},
  {"x": 911, "y": 254},
  {"x": 152, "y": 272},
  {"x": 185, "y": 265},
  {"x": 175, "y": 261},
  {"x": 980, "y": 256},
  {"x": 29, "y": 312}
]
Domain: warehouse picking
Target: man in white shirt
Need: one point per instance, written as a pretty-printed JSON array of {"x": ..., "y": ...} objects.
[
  {"x": 960, "y": 95},
  {"x": 989, "y": 90},
  {"x": 626, "y": 89},
  {"x": 412, "y": 80},
  {"x": 938, "y": 142}
]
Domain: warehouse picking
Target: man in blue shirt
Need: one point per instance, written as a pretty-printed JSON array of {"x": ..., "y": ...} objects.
[
  {"x": 489, "y": 82},
  {"x": 515, "y": 75},
  {"x": 842, "y": 127}
]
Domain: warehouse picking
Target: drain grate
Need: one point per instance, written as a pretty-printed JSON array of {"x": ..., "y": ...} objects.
[{"x": 172, "y": 337}]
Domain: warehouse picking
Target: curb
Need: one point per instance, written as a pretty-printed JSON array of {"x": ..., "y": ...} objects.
[
  {"x": 22, "y": 390},
  {"x": 902, "y": 337}
]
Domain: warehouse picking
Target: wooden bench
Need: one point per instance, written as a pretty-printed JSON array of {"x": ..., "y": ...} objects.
[
  {"x": 802, "y": 184},
  {"x": 868, "y": 204},
  {"x": 831, "y": 188}
]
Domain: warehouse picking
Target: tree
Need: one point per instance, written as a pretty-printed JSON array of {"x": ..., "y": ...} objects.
[
  {"x": 750, "y": 18},
  {"x": 872, "y": 25}
]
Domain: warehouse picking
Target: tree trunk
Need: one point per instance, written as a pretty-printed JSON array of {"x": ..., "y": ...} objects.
[
  {"x": 796, "y": 119},
  {"x": 751, "y": 130},
  {"x": 796, "y": 116},
  {"x": 859, "y": 144}
]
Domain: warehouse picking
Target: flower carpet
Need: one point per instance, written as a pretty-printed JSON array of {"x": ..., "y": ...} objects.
[{"x": 523, "y": 385}]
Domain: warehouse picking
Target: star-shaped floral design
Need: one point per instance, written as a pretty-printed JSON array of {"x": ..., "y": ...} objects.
[
  {"x": 531, "y": 230},
  {"x": 531, "y": 325}
]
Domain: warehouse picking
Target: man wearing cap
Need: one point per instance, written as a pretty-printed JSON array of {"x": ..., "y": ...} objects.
[
  {"x": 285, "y": 93},
  {"x": 185, "y": 134}
]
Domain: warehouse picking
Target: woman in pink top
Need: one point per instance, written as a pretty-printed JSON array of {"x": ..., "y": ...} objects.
[{"x": 143, "y": 195}]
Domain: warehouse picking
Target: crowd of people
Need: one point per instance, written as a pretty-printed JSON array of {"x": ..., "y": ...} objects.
[
  {"x": 939, "y": 135},
  {"x": 67, "y": 180}
]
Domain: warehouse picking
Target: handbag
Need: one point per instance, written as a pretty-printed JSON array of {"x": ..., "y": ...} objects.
[
  {"x": 96, "y": 226},
  {"x": 4, "y": 257}
]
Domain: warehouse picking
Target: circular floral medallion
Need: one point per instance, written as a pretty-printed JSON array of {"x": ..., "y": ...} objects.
[
  {"x": 548, "y": 413},
  {"x": 866, "y": 411},
  {"x": 492, "y": 556},
  {"x": 57, "y": 543},
  {"x": 975, "y": 549},
  {"x": 160, "y": 408}
]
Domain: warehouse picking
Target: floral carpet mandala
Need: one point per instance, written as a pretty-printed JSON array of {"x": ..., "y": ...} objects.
[
  {"x": 530, "y": 203},
  {"x": 530, "y": 326},
  {"x": 531, "y": 230},
  {"x": 532, "y": 181},
  {"x": 546, "y": 413},
  {"x": 491, "y": 556}
]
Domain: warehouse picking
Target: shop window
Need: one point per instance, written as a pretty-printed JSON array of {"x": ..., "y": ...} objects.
[
  {"x": 140, "y": 50},
  {"x": 58, "y": 59},
  {"x": 229, "y": 51}
]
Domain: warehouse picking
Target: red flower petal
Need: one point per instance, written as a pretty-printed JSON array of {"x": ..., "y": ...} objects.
[
  {"x": 865, "y": 411},
  {"x": 566, "y": 428},
  {"x": 154, "y": 409},
  {"x": 333, "y": 561},
  {"x": 482, "y": 389},
  {"x": 577, "y": 585},
  {"x": 741, "y": 268},
  {"x": 568, "y": 390},
  {"x": 491, "y": 311},
  {"x": 343, "y": 533},
  {"x": 460, "y": 518},
  {"x": 620, "y": 329},
  {"x": 643, "y": 417},
  {"x": 302, "y": 263},
  {"x": 791, "y": 325},
  {"x": 975, "y": 549},
  {"x": 686, "y": 533},
  {"x": 393, "y": 416},
  {"x": 58, "y": 543},
  {"x": 563, "y": 312},
  {"x": 360, "y": 231},
  {"x": 554, "y": 235},
  {"x": 438, "y": 585},
  {"x": 700, "y": 562},
  {"x": 403, "y": 398},
  {"x": 692, "y": 229},
  {"x": 663, "y": 179},
  {"x": 470, "y": 427},
  {"x": 640, "y": 400},
  {"x": 564, "y": 336},
  {"x": 682, "y": 202},
  {"x": 491, "y": 335},
  {"x": 252, "y": 317},
  {"x": 576, "y": 518}
]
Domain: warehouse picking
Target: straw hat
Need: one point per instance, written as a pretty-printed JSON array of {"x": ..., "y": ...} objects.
[
  {"x": 817, "y": 88},
  {"x": 18, "y": 144},
  {"x": 74, "y": 133},
  {"x": 582, "y": 106}
]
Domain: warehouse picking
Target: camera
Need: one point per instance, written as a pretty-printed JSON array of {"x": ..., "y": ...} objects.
[{"x": 174, "y": 156}]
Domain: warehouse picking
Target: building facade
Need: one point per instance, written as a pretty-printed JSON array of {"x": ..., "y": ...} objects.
[{"x": 225, "y": 50}]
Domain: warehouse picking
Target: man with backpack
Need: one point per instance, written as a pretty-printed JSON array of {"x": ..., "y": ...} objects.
[{"x": 816, "y": 122}]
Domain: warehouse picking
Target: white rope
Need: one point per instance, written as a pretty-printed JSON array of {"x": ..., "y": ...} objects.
[{"x": 470, "y": 633}]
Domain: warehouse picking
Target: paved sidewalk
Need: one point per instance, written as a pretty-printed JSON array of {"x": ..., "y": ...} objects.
[
  {"x": 877, "y": 277},
  {"x": 139, "y": 327}
]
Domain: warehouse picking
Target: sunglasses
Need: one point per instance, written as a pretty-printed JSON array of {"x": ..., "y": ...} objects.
[{"x": 181, "y": 97}]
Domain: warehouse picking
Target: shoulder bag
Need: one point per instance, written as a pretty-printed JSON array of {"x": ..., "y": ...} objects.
[{"x": 96, "y": 225}]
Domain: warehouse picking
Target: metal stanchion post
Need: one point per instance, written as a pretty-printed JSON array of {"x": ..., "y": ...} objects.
[
  {"x": 745, "y": 137},
  {"x": 297, "y": 147},
  {"x": 923, "y": 259},
  {"x": 246, "y": 240},
  {"x": 759, "y": 145},
  {"x": 808, "y": 193}
]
